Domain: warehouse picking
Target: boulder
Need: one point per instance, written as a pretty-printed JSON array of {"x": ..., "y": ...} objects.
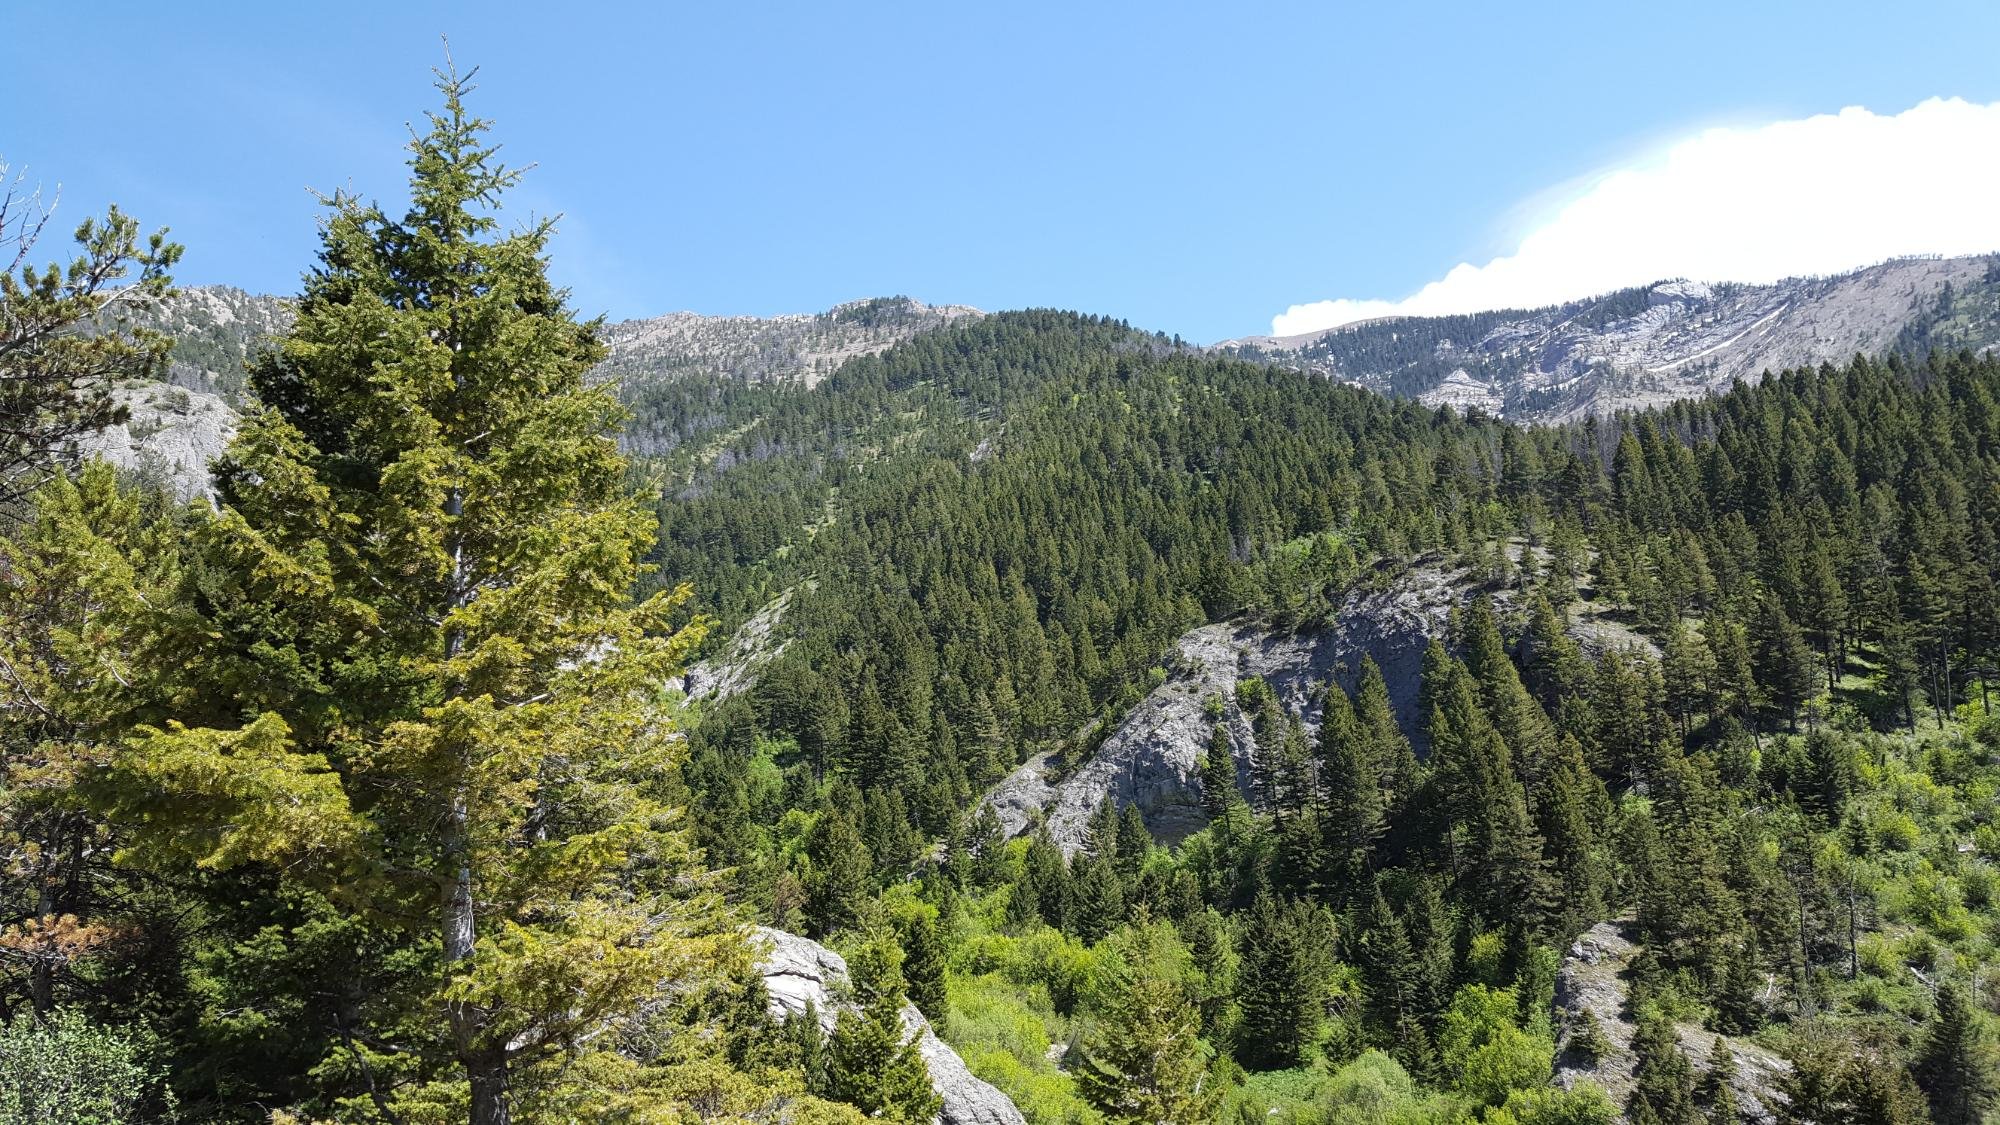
[{"x": 799, "y": 971}]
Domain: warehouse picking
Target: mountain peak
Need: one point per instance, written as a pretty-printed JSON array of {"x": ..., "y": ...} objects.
[{"x": 795, "y": 347}]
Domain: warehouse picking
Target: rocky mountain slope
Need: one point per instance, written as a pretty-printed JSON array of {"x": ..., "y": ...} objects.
[
  {"x": 216, "y": 330},
  {"x": 1592, "y": 981},
  {"x": 1641, "y": 347},
  {"x": 176, "y": 426},
  {"x": 1153, "y": 759},
  {"x": 734, "y": 669},
  {"x": 803, "y": 347},
  {"x": 1634, "y": 348},
  {"x": 799, "y": 972}
]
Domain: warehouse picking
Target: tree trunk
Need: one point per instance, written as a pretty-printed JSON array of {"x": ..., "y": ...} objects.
[
  {"x": 1853, "y": 927},
  {"x": 485, "y": 1064},
  {"x": 42, "y": 970},
  {"x": 488, "y": 1072}
]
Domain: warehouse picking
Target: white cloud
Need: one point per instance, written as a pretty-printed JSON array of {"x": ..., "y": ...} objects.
[{"x": 1793, "y": 198}]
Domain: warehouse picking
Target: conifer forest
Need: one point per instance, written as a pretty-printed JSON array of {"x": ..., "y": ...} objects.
[{"x": 501, "y": 735}]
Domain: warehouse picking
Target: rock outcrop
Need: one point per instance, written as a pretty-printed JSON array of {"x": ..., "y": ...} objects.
[
  {"x": 171, "y": 434},
  {"x": 216, "y": 329},
  {"x": 1592, "y": 980},
  {"x": 735, "y": 668},
  {"x": 1153, "y": 759},
  {"x": 799, "y": 971}
]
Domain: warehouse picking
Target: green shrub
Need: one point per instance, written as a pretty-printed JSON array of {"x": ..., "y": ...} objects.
[
  {"x": 1004, "y": 1033},
  {"x": 1550, "y": 1105},
  {"x": 1485, "y": 1053},
  {"x": 65, "y": 1070},
  {"x": 1374, "y": 1089}
]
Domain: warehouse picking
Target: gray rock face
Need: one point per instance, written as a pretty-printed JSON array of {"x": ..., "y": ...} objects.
[
  {"x": 735, "y": 668},
  {"x": 799, "y": 971},
  {"x": 217, "y": 330},
  {"x": 172, "y": 433},
  {"x": 1154, "y": 757},
  {"x": 1153, "y": 760},
  {"x": 1642, "y": 347},
  {"x": 1592, "y": 979}
]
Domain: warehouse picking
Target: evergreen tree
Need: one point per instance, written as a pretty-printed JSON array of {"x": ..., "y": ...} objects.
[
  {"x": 1501, "y": 866},
  {"x": 1953, "y": 1065},
  {"x": 1718, "y": 1090},
  {"x": 1046, "y": 880},
  {"x": 1563, "y": 815},
  {"x": 1388, "y": 747},
  {"x": 1433, "y": 928},
  {"x": 988, "y": 846},
  {"x": 1351, "y": 794},
  {"x": 1134, "y": 842},
  {"x": 1848, "y": 1076},
  {"x": 419, "y": 685},
  {"x": 65, "y": 335},
  {"x": 807, "y": 1044},
  {"x": 1663, "y": 1090},
  {"x": 924, "y": 966},
  {"x": 1218, "y": 778},
  {"x": 1287, "y": 961},
  {"x": 1691, "y": 676},
  {"x": 1097, "y": 902},
  {"x": 1516, "y": 717},
  {"x": 870, "y": 1063},
  {"x": 839, "y": 877},
  {"x": 1295, "y": 811},
  {"x": 1388, "y": 964},
  {"x": 1207, "y": 939},
  {"x": 1101, "y": 834},
  {"x": 78, "y": 578},
  {"x": 1784, "y": 661},
  {"x": 1023, "y": 908},
  {"x": 1586, "y": 1038},
  {"x": 1738, "y": 1011},
  {"x": 1143, "y": 1059},
  {"x": 1555, "y": 667}
]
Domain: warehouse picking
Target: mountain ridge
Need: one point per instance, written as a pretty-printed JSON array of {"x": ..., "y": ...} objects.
[
  {"x": 1629, "y": 349},
  {"x": 1650, "y": 344}
]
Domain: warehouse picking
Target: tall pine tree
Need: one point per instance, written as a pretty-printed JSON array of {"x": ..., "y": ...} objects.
[{"x": 421, "y": 686}]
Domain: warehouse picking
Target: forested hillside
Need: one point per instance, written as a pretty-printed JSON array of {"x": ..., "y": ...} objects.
[
  {"x": 375, "y": 789},
  {"x": 1046, "y": 501}
]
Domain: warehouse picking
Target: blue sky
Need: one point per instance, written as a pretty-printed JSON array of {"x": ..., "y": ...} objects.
[{"x": 1195, "y": 168}]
